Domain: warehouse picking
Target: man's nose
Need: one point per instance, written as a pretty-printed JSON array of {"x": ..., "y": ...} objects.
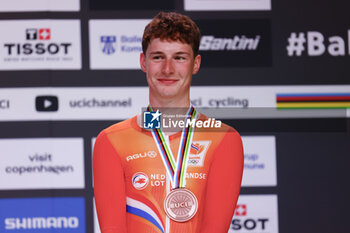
[{"x": 168, "y": 67}]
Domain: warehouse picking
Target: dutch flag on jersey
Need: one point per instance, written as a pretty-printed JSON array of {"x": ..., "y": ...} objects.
[
  {"x": 144, "y": 211},
  {"x": 195, "y": 147}
]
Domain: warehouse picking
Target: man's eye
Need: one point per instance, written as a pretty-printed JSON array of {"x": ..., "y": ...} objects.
[
  {"x": 180, "y": 58},
  {"x": 157, "y": 57}
]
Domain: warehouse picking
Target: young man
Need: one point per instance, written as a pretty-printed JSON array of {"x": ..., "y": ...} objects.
[{"x": 140, "y": 184}]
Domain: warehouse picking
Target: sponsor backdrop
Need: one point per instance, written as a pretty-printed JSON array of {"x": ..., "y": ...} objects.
[{"x": 277, "y": 71}]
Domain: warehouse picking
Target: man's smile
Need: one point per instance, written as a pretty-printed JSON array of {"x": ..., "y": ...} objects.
[{"x": 167, "y": 81}]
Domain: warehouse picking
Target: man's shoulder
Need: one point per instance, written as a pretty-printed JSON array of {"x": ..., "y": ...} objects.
[
  {"x": 216, "y": 125},
  {"x": 120, "y": 126}
]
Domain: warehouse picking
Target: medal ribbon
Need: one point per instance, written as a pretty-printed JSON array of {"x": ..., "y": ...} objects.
[{"x": 177, "y": 172}]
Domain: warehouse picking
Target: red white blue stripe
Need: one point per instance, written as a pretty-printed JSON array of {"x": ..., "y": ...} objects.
[{"x": 145, "y": 211}]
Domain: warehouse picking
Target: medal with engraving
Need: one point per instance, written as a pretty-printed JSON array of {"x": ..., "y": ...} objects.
[{"x": 180, "y": 204}]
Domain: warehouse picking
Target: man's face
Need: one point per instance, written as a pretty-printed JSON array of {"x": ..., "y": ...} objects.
[{"x": 169, "y": 66}]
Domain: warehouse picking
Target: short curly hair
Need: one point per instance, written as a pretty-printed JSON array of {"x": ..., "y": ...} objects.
[{"x": 172, "y": 26}]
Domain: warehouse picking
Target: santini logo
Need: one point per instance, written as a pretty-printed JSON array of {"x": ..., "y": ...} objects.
[
  {"x": 235, "y": 43},
  {"x": 41, "y": 223}
]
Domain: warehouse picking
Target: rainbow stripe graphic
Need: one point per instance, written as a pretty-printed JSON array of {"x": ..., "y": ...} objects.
[
  {"x": 146, "y": 211},
  {"x": 165, "y": 152},
  {"x": 313, "y": 101}
]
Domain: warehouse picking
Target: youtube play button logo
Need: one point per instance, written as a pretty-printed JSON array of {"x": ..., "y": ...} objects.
[{"x": 46, "y": 103}]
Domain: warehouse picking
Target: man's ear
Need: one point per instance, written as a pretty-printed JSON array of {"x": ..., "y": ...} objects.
[
  {"x": 196, "y": 64},
  {"x": 143, "y": 62}
]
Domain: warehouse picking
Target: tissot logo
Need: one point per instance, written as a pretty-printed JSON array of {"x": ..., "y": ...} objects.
[
  {"x": 40, "y": 44},
  {"x": 241, "y": 210},
  {"x": 255, "y": 214},
  {"x": 235, "y": 43},
  {"x": 46, "y": 103},
  {"x": 249, "y": 223},
  {"x": 41, "y": 34},
  {"x": 31, "y": 34},
  {"x": 44, "y": 34}
]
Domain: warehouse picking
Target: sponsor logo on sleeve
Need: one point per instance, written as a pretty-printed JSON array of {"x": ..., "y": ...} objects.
[{"x": 149, "y": 154}]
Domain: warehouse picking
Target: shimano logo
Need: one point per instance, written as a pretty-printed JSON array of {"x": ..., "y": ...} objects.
[
  {"x": 235, "y": 43},
  {"x": 41, "y": 223}
]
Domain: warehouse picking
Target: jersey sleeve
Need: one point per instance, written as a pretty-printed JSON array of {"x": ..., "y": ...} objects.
[
  {"x": 224, "y": 183},
  {"x": 109, "y": 187}
]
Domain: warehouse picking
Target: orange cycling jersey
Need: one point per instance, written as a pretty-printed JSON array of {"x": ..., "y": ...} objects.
[{"x": 131, "y": 182}]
